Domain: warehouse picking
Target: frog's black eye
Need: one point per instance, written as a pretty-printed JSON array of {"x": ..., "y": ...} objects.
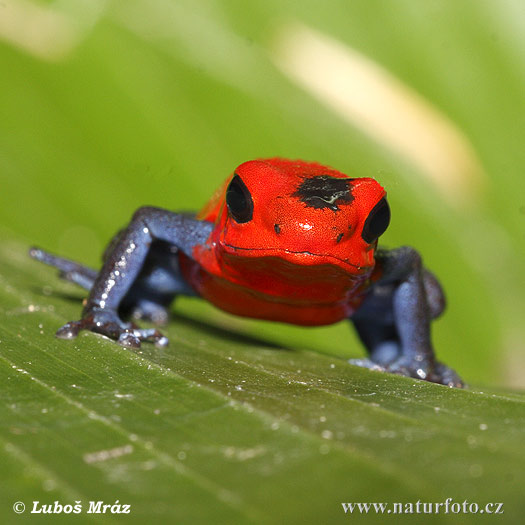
[
  {"x": 377, "y": 221},
  {"x": 239, "y": 200}
]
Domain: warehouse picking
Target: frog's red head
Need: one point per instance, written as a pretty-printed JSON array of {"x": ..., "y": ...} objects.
[{"x": 303, "y": 213}]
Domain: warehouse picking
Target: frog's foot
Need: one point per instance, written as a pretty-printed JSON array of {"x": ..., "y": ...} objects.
[
  {"x": 446, "y": 376},
  {"x": 433, "y": 372},
  {"x": 109, "y": 324},
  {"x": 150, "y": 311}
]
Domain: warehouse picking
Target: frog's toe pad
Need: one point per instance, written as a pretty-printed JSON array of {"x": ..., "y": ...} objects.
[
  {"x": 69, "y": 330},
  {"x": 153, "y": 336},
  {"x": 129, "y": 340},
  {"x": 446, "y": 376}
]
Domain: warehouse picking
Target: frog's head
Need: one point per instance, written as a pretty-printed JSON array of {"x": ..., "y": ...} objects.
[{"x": 302, "y": 213}]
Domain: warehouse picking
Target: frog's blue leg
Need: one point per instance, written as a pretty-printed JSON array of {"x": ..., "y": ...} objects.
[
  {"x": 152, "y": 293},
  {"x": 69, "y": 270},
  {"x": 394, "y": 320},
  {"x": 139, "y": 266}
]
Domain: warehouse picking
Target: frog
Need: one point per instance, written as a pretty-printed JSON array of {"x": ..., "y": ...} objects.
[{"x": 280, "y": 240}]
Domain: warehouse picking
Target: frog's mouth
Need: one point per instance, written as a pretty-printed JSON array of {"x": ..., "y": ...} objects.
[{"x": 302, "y": 258}]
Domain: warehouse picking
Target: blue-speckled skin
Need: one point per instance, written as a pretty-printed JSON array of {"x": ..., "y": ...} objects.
[{"x": 140, "y": 277}]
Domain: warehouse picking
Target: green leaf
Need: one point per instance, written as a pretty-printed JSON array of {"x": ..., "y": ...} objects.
[{"x": 224, "y": 427}]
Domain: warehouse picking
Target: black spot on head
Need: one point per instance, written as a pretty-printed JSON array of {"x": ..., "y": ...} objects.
[
  {"x": 324, "y": 191},
  {"x": 339, "y": 237},
  {"x": 277, "y": 229}
]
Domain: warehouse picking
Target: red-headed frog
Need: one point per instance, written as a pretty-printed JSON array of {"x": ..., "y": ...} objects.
[{"x": 280, "y": 240}]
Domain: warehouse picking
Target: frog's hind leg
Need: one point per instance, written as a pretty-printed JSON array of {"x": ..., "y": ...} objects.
[{"x": 69, "y": 270}]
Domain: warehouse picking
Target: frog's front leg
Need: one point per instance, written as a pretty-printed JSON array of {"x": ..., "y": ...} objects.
[
  {"x": 123, "y": 265},
  {"x": 394, "y": 320}
]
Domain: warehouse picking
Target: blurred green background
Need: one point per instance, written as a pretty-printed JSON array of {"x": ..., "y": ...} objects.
[{"x": 107, "y": 105}]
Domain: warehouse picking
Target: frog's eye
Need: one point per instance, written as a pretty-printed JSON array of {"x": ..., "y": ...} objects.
[
  {"x": 377, "y": 221},
  {"x": 239, "y": 200}
]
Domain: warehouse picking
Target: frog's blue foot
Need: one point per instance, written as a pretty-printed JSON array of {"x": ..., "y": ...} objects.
[
  {"x": 69, "y": 270},
  {"x": 433, "y": 372},
  {"x": 151, "y": 311},
  {"x": 109, "y": 324},
  {"x": 447, "y": 376}
]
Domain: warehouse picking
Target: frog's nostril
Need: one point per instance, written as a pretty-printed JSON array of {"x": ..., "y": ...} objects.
[{"x": 339, "y": 237}]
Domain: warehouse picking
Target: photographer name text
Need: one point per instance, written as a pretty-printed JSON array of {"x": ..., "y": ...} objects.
[{"x": 92, "y": 507}]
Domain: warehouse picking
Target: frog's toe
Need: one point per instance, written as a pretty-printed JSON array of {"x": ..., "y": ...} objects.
[
  {"x": 129, "y": 340},
  {"x": 446, "y": 376},
  {"x": 153, "y": 336},
  {"x": 400, "y": 366},
  {"x": 410, "y": 368},
  {"x": 429, "y": 371},
  {"x": 162, "y": 342},
  {"x": 69, "y": 330}
]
